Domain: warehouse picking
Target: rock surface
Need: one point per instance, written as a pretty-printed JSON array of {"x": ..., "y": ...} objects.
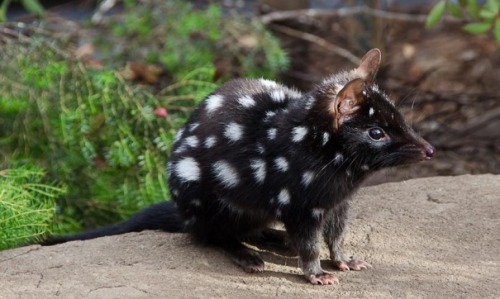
[{"x": 426, "y": 238}]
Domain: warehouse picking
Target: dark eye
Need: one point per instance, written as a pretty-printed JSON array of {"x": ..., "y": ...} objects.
[{"x": 376, "y": 133}]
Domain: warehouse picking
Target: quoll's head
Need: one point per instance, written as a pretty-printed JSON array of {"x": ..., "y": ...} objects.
[{"x": 367, "y": 120}]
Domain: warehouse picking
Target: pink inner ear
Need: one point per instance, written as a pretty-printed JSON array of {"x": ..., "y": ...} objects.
[{"x": 346, "y": 105}]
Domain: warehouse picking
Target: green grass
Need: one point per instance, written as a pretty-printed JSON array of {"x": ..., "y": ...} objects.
[{"x": 27, "y": 205}]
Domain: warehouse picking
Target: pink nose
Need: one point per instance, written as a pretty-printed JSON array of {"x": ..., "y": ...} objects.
[{"x": 430, "y": 151}]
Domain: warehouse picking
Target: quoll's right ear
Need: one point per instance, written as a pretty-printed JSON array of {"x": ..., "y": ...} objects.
[
  {"x": 369, "y": 65},
  {"x": 347, "y": 101}
]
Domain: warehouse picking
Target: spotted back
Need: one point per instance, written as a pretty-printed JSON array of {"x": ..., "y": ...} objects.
[{"x": 255, "y": 147}]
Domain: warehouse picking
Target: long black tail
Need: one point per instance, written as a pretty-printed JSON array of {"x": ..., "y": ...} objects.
[{"x": 161, "y": 216}]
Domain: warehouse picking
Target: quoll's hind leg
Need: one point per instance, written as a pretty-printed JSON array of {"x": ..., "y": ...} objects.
[
  {"x": 249, "y": 260},
  {"x": 224, "y": 228},
  {"x": 334, "y": 229},
  {"x": 241, "y": 255}
]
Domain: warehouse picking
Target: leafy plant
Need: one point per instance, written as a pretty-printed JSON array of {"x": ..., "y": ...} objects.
[
  {"x": 480, "y": 18},
  {"x": 183, "y": 38},
  {"x": 108, "y": 140},
  {"x": 33, "y": 6},
  {"x": 27, "y": 205},
  {"x": 91, "y": 130}
]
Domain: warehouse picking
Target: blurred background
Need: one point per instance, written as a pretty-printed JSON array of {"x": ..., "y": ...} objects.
[{"x": 92, "y": 92}]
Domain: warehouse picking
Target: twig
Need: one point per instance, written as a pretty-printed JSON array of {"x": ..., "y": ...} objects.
[
  {"x": 103, "y": 8},
  {"x": 318, "y": 41},
  {"x": 342, "y": 12}
]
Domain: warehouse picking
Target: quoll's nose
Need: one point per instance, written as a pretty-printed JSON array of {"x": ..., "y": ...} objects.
[{"x": 430, "y": 151}]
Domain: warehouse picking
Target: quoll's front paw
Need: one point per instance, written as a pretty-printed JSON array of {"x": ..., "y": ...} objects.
[
  {"x": 352, "y": 264},
  {"x": 323, "y": 279}
]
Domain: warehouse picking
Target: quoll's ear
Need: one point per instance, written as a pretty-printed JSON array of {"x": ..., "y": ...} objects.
[
  {"x": 369, "y": 65},
  {"x": 347, "y": 102}
]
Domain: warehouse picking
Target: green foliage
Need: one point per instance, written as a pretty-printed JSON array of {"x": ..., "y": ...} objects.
[
  {"x": 91, "y": 130},
  {"x": 480, "y": 19},
  {"x": 183, "y": 38},
  {"x": 105, "y": 139},
  {"x": 33, "y": 6},
  {"x": 27, "y": 205},
  {"x": 435, "y": 14}
]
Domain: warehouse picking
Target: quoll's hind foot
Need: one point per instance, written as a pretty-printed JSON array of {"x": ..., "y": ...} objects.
[
  {"x": 352, "y": 264},
  {"x": 323, "y": 279},
  {"x": 249, "y": 260}
]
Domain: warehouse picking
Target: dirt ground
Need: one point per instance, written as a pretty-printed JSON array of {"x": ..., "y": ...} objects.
[{"x": 425, "y": 238}]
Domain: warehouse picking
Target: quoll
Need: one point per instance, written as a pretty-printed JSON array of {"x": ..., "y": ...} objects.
[{"x": 255, "y": 152}]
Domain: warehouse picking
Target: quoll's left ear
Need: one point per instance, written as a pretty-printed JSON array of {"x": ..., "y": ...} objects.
[
  {"x": 347, "y": 102},
  {"x": 369, "y": 65}
]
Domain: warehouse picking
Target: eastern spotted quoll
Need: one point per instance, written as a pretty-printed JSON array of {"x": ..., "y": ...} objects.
[{"x": 255, "y": 152}]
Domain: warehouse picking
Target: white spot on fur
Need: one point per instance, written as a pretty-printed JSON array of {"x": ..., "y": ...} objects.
[
  {"x": 326, "y": 138},
  {"x": 348, "y": 172},
  {"x": 193, "y": 126},
  {"x": 246, "y": 101},
  {"x": 268, "y": 83},
  {"x": 371, "y": 111},
  {"x": 271, "y": 133},
  {"x": 284, "y": 197},
  {"x": 191, "y": 141},
  {"x": 196, "y": 202},
  {"x": 365, "y": 167},
  {"x": 178, "y": 135},
  {"x": 278, "y": 95},
  {"x": 269, "y": 115},
  {"x": 233, "y": 131},
  {"x": 210, "y": 141},
  {"x": 181, "y": 148},
  {"x": 307, "y": 178},
  {"x": 213, "y": 102},
  {"x": 226, "y": 173},
  {"x": 338, "y": 157},
  {"x": 259, "y": 169},
  {"x": 294, "y": 94},
  {"x": 187, "y": 170},
  {"x": 281, "y": 164},
  {"x": 298, "y": 133},
  {"x": 260, "y": 149},
  {"x": 317, "y": 213}
]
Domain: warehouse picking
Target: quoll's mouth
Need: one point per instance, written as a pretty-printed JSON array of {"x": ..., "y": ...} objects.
[{"x": 418, "y": 151}]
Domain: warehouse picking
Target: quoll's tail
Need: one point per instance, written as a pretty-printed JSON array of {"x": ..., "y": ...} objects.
[{"x": 161, "y": 216}]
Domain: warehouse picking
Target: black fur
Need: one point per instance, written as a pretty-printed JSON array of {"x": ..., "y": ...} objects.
[
  {"x": 161, "y": 216},
  {"x": 255, "y": 152}
]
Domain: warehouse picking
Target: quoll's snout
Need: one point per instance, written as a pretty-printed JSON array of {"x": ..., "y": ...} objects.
[
  {"x": 429, "y": 151},
  {"x": 418, "y": 150}
]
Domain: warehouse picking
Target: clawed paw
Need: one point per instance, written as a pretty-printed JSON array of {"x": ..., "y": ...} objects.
[
  {"x": 253, "y": 268},
  {"x": 355, "y": 265},
  {"x": 323, "y": 279},
  {"x": 249, "y": 261}
]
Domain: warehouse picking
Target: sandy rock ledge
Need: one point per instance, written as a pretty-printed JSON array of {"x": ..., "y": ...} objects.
[{"x": 426, "y": 238}]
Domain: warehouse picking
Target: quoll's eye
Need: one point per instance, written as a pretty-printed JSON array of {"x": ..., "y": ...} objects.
[{"x": 376, "y": 133}]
